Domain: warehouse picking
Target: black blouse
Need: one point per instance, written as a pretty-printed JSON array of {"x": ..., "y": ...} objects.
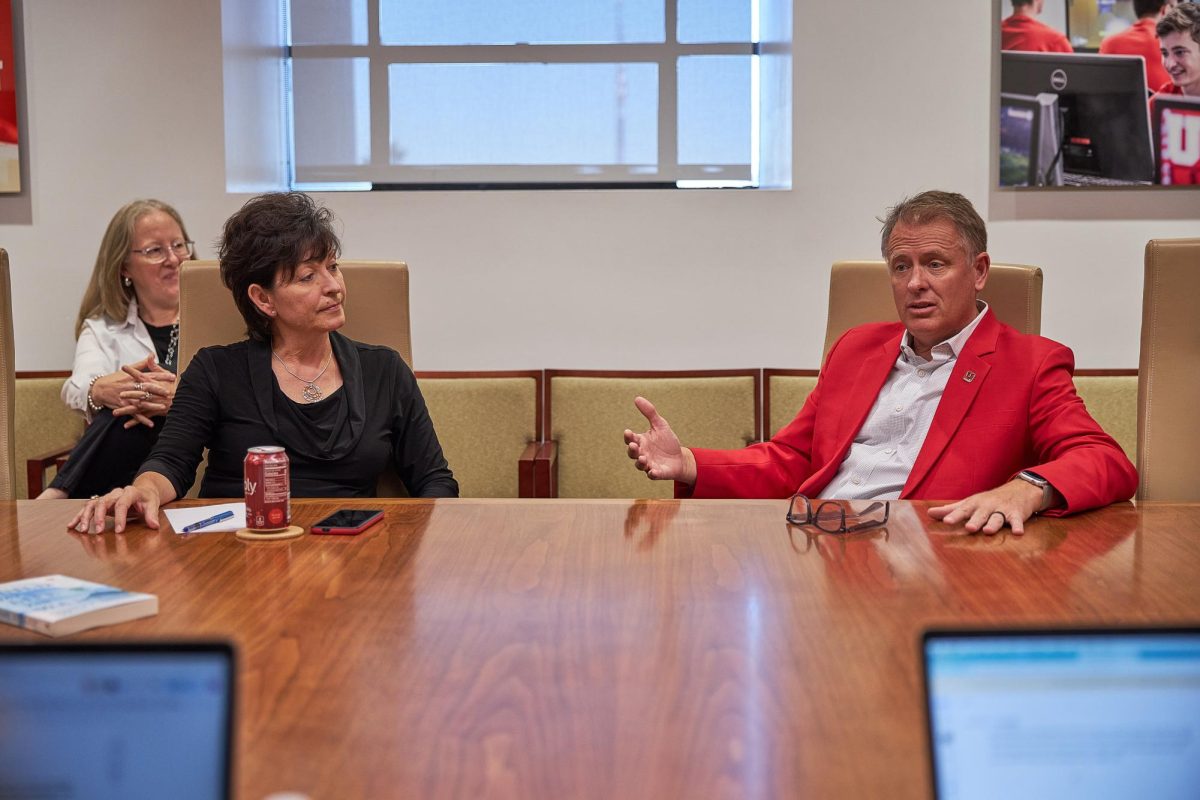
[{"x": 228, "y": 401}]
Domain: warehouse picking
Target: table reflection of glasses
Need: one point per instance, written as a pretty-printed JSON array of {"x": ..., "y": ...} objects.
[{"x": 832, "y": 517}]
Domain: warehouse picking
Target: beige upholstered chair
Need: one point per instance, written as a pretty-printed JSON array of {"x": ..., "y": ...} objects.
[
  {"x": 1111, "y": 398},
  {"x": 784, "y": 393},
  {"x": 46, "y": 430},
  {"x": 860, "y": 292},
  {"x": 1168, "y": 459},
  {"x": 376, "y": 307},
  {"x": 587, "y": 410},
  {"x": 376, "y": 312},
  {"x": 8, "y": 389},
  {"x": 489, "y": 425}
]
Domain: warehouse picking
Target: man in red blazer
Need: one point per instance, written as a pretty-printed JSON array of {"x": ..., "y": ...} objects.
[{"x": 948, "y": 404}]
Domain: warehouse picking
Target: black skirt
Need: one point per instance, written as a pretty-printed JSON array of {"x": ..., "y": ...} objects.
[{"x": 107, "y": 456}]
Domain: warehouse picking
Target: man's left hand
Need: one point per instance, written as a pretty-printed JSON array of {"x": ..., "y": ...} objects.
[{"x": 1010, "y": 504}]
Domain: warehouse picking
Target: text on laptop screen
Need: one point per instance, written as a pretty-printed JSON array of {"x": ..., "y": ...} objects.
[
  {"x": 1067, "y": 715},
  {"x": 88, "y": 724}
]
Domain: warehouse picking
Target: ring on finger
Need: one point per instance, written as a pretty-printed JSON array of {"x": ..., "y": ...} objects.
[
  {"x": 145, "y": 395},
  {"x": 1003, "y": 516},
  {"x": 137, "y": 386}
]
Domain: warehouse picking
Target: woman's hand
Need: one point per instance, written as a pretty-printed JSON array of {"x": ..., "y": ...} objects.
[
  {"x": 142, "y": 500},
  {"x": 106, "y": 390},
  {"x": 151, "y": 394}
]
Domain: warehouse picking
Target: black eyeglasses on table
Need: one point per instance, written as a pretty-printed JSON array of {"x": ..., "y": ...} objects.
[{"x": 831, "y": 517}]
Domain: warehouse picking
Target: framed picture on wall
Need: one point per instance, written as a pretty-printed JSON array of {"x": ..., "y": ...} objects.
[
  {"x": 1099, "y": 93},
  {"x": 10, "y": 138}
]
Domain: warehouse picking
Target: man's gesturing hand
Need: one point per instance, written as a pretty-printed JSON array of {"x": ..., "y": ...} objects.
[{"x": 657, "y": 452}]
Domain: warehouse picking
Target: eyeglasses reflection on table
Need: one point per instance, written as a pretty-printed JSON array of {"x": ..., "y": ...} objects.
[{"x": 832, "y": 517}]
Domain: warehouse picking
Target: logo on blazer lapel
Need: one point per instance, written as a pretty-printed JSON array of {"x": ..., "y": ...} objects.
[{"x": 969, "y": 376}]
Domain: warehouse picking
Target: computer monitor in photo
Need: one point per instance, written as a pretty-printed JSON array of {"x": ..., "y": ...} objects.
[
  {"x": 1177, "y": 140},
  {"x": 1106, "y": 120},
  {"x": 1029, "y": 140}
]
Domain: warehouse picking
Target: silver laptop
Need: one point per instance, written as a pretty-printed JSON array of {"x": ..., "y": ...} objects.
[
  {"x": 116, "y": 721},
  {"x": 1064, "y": 713}
]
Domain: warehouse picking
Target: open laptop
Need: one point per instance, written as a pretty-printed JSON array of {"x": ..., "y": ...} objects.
[
  {"x": 1064, "y": 713},
  {"x": 108, "y": 720}
]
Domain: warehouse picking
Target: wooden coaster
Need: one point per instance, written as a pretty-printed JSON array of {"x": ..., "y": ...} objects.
[{"x": 290, "y": 532}]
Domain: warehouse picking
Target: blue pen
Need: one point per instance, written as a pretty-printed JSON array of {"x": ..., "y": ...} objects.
[{"x": 204, "y": 523}]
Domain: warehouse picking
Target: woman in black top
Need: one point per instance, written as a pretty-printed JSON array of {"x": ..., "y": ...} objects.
[{"x": 344, "y": 411}]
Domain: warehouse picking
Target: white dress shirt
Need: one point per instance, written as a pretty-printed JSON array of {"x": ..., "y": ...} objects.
[
  {"x": 105, "y": 345},
  {"x": 886, "y": 446}
]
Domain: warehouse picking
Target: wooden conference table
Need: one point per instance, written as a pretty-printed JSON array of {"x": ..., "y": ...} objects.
[{"x": 574, "y": 648}]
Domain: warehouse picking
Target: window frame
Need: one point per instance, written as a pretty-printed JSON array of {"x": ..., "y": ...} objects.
[{"x": 380, "y": 173}]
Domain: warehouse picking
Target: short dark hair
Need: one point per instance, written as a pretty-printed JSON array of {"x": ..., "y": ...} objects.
[
  {"x": 1183, "y": 18},
  {"x": 1019, "y": 3},
  {"x": 264, "y": 242},
  {"x": 1147, "y": 8},
  {"x": 934, "y": 205}
]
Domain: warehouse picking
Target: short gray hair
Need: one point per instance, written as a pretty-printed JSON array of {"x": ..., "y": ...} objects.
[{"x": 933, "y": 205}]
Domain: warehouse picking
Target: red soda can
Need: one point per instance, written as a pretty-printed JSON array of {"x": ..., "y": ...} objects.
[{"x": 268, "y": 484}]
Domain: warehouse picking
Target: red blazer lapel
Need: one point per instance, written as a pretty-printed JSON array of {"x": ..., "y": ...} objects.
[
  {"x": 855, "y": 404},
  {"x": 969, "y": 375}
]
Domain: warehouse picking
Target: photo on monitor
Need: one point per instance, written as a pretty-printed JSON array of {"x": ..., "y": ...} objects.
[{"x": 1075, "y": 106}]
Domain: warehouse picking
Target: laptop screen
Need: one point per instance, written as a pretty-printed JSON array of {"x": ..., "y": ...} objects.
[
  {"x": 1058, "y": 714},
  {"x": 116, "y": 721}
]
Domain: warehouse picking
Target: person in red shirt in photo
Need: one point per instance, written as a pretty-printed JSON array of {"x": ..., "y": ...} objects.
[
  {"x": 1023, "y": 31},
  {"x": 1141, "y": 40},
  {"x": 1179, "y": 35}
]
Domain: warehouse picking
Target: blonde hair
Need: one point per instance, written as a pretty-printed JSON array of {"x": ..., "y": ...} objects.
[{"x": 105, "y": 294}]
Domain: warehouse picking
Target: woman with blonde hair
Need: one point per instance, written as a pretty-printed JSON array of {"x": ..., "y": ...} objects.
[{"x": 126, "y": 353}]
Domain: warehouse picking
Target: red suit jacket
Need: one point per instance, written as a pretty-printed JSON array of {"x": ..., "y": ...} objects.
[{"x": 1009, "y": 405}]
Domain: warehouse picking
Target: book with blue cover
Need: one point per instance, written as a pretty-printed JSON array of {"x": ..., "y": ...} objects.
[{"x": 57, "y": 605}]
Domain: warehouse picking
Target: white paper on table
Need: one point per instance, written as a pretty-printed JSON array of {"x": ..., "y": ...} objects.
[{"x": 180, "y": 518}]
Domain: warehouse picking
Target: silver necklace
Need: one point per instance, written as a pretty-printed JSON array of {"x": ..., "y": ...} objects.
[
  {"x": 169, "y": 363},
  {"x": 312, "y": 393}
]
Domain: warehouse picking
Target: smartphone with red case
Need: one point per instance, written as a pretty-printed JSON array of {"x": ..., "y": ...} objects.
[{"x": 348, "y": 521}]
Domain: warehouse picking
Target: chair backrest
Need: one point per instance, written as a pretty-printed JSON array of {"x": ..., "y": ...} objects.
[
  {"x": 861, "y": 292},
  {"x": 1169, "y": 373},
  {"x": 484, "y": 421},
  {"x": 376, "y": 307},
  {"x": 784, "y": 393},
  {"x": 43, "y": 425},
  {"x": 586, "y": 411},
  {"x": 1111, "y": 398},
  {"x": 8, "y": 388}
]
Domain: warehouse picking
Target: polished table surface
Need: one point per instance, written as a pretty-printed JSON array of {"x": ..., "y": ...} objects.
[{"x": 575, "y": 648}]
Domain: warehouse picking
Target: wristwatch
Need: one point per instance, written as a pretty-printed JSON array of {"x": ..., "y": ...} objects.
[{"x": 1041, "y": 483}]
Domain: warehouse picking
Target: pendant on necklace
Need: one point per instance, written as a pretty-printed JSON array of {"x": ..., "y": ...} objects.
[{"x": 312, "y": 393}]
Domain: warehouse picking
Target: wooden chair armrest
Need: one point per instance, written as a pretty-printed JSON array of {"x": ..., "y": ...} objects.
[
  {"x": 36, "y": 466},
  {"x": 525, "y": 470},
  {"x": 545, "y": 470}
]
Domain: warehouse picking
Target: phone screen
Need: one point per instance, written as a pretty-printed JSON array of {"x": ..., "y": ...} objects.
[{"x": 348, "y": 518}]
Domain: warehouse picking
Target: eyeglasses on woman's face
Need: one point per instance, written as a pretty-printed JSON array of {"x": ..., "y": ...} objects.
[{"x": 157, "y": 254}]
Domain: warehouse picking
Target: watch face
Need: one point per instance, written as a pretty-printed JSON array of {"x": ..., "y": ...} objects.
[{"x": 1036, "y": 480}]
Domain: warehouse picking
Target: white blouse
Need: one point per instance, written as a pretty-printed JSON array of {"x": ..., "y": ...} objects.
[{"x": 105, "y": 345}]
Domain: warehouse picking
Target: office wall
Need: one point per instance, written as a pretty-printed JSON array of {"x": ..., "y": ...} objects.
[{"x": 124, "y": 99}]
